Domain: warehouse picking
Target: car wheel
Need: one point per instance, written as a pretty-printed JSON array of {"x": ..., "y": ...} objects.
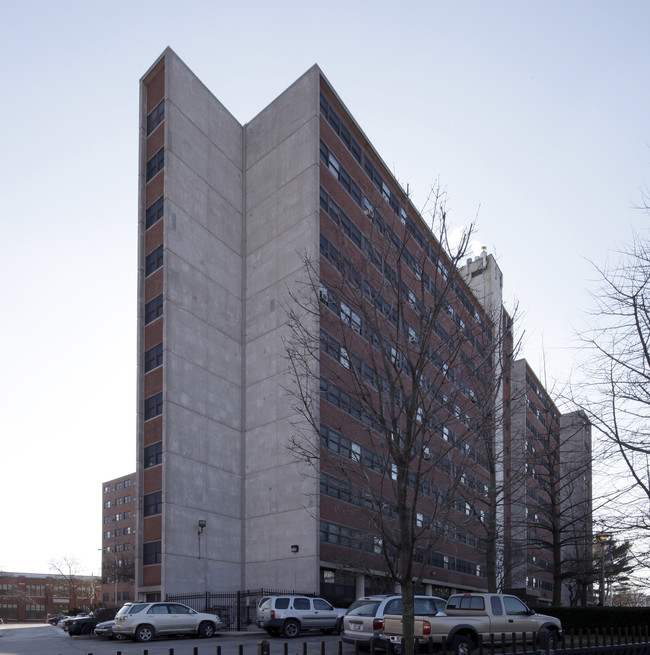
[
  {"x": 119, "y": 636},
  {"x": 462, "y": 645},
  {"x": 86, "y": 629},
  {"x": 548, "y": 640},
  {"x": 206, "y": 630},
  {"x": 144, "y": 633},
  {"x": 291, "y": 628}
]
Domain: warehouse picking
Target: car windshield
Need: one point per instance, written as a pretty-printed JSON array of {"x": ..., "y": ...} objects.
[
  {"x": 132, "y": 609},
  {"x": 363, "y": 608}
]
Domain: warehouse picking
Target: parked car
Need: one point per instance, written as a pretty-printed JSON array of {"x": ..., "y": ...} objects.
[
  {"x": 66, "y": 621},
  {"x": 55, "y": 620},
  {"x": 144, "y": 621},
  {"x": 80, "y": 625},
  {"x": 105, "y": 629},
  {"x": 288, "y": 615},
  {"x": 364, "y": 621}
]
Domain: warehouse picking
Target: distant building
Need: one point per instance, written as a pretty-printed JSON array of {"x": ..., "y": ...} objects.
[
  {"x": 32, "y": 597},
  {"x": 118, "y": 540}
]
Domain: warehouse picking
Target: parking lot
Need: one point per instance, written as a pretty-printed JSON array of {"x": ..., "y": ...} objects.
[{"x": 52, "y": 640}]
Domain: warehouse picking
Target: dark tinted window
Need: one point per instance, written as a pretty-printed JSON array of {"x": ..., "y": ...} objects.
[
  {"x": 320, "y": 604},
  {"x": 281, "y": 603},
  {"x": 156, "y": 117},
  {"x": 155, "y": 212},
  {"x": 155, "y": 164},
  {"x": 393, "y": 606},
  {"x": 153, "y": 309},
  {"x": 153, "y": 261},
  {"x": 153, "y": 454},
  {"x": 301, "y": 603},
  {"x": 495, "y": 604},
  {"x": 153, "y": 357},
  {"x": 152, "y": 553},
  {"x": 363, "y": 608}
]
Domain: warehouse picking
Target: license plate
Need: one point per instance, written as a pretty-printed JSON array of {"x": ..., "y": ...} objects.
[{"x": 356, "y": 626}]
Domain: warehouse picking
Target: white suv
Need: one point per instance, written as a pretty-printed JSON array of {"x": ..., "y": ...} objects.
[
  {"x": 288, "y": 615},
  {"x": 144, "y": 621}
]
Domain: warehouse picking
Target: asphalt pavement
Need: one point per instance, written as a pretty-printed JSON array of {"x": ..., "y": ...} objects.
[{"x": 44, "y": 639}]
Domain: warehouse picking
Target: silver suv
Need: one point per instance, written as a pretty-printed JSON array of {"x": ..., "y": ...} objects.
[
  {"x": 363, "y": 623},
  {"x": 288, "y": 615},
  {"x": 144, "y": 621}
]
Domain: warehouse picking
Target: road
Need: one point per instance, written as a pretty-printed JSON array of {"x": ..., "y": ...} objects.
[{"x": 51, "y": 640}]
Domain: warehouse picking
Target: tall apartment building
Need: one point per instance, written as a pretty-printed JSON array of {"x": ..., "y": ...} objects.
[
  {"x": 118, "y": 540},
  {"x": 236, "y": 221}
]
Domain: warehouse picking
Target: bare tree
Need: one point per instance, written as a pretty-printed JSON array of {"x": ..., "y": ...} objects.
[
  {"x": 384, "y": 343},
  {"x": 617, "y": 384},
  {"x": 68, "y": 568}
]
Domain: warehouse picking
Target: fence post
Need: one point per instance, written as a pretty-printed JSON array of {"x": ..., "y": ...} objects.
[{"x": 238, "y": 610}]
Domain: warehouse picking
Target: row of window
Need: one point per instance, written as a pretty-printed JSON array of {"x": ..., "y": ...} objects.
[
  {"x": 344, "y": 134},
  {"x": 153, "y": 357},
  {"x": 118, "y": 533},
  {"x": 117, "y": 501},
  {"x": 118, "y": 517},
  {"x": 28, "y": 590},
  {"x": 122, "y": 484},
  {"x": 338, "y": 443},
  {"x": 118, "y": 548},
  {"x": 387, "y": 309},
  {"x": 346, "y": 537}
]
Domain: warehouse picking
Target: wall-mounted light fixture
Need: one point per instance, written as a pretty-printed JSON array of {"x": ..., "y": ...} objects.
[
  {"x": 202, "y": 524},
  {"x": 295, "y": 548}
]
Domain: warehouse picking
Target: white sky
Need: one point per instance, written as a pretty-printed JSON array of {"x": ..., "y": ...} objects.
[{"x": 536, "y": 112}]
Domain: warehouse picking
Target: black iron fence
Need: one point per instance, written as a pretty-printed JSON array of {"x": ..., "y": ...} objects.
[{"x": 237, "y": 609}]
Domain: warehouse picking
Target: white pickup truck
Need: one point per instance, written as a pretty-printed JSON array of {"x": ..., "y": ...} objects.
[{"x": 470, "y": 616}]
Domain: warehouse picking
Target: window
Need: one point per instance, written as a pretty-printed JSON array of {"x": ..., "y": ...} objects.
[
  {"x": 107, "y": 519},
  {"x": 127, "y": 499},
  {"x": 301, "y": 604},
  {"x": 154, "y": 212},
  {"x": 155, "y": 164},
  {"x": 153, "y": 406},
  {"x": 153, "y": 454},
  {"x": 156, "y": 117},
  {"x": 118, "y": 501},
  {"x": 118, "y": 486},
  {"x": 118, "y": 532},
  {"x": 153, "y": 358},
  {"x": 107, "y": 535},
  {"x": 118, "y": 517},
  {"x": 153, "y": 309},
  {"x": 107, "y": 504},
  {"x": 127, "y": 483},
  {"x": 127, "y": 530},
  {"x": 127, "y": 515},
  {"x": 152, "y": 553},
  {"x": 107, "y": 488},
  {"x": 153, "y": 261},
  {"x": 153, "y": 503}
]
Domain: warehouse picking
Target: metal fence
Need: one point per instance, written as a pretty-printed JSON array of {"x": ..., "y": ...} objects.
[{"x": 236, "y": 609}]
